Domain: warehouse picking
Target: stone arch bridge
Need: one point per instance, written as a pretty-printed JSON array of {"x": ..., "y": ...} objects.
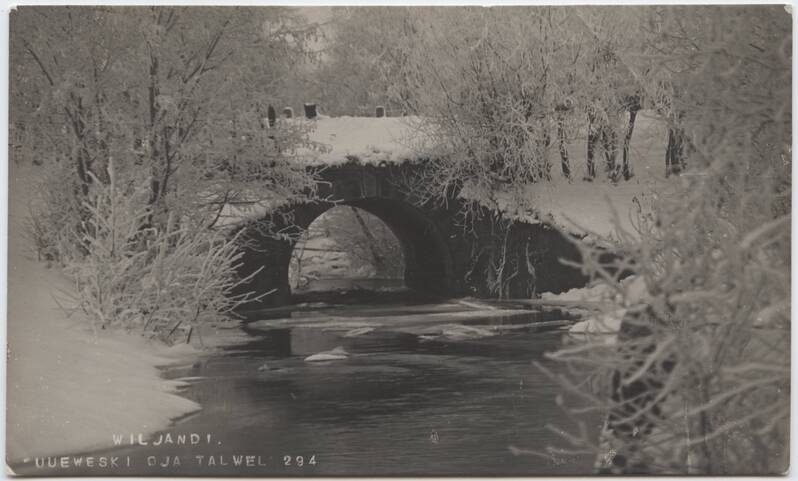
[{"x": 445, "y": 254}]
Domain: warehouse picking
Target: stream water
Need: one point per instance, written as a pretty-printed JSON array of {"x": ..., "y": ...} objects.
[{"x": 434, "y": 389}]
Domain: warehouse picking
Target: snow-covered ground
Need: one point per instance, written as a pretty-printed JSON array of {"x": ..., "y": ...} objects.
[
  {"x": 600, "y": 206},
  {"x": 608, "y": 320},
  {"x": 67, "y": 389}
]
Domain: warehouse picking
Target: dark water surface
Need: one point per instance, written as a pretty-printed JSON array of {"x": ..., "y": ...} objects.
[{"x": 408, "y": 401}]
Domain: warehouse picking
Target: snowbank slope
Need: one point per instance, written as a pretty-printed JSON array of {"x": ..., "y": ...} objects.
[{"x": 68, "y": 390}]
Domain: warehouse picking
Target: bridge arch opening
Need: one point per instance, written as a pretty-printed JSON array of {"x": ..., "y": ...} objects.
[
  {"x": 346, "y": 248},
  {"x": 427, "y": 261}
]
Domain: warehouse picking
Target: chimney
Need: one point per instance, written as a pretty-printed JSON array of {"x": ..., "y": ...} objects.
[
  {"x": 380, "y": 111},
  {"x": 310, "y": 111},
  {"x": 288, "y": 112}
]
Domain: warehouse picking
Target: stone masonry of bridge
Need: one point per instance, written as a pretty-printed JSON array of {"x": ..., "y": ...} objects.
[{"x": 444, "y": 257}]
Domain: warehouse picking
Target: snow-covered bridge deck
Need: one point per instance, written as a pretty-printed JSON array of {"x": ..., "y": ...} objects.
[{"x": 367, "y": 140}]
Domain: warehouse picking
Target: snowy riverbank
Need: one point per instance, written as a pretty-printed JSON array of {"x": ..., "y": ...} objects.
[
  {"x": 608, "y": 319},
  {"x": 69, "y": 390}
]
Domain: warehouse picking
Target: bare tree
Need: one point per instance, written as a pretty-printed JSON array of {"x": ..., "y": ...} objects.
[
  {"x": 163, "y": 89},
  {"x": 697, "y": 380},
  {"x": 175, "y": 99}
]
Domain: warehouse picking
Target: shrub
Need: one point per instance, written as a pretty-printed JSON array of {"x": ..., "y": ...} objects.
[{"x": 162, "y": 282}]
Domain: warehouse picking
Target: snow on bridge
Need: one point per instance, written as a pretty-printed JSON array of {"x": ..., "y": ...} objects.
[
  {"x": 579, "y": 206},
  {"x": 367, "y": 140}
]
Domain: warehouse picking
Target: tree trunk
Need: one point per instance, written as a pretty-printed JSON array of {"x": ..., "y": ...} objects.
[
  {"x": 561, "y": 140},
  {"x": 298, "y": 256},
  {"x": 674, "y": 154},
  {"x": 610, "y": 142},
  {"x": 379, "y": 261},
  {"x": 102, "y": 170},
  {"x": 627, "y": 166},
  {"x": 592, "y": 140},
  {"x": 155, "y": 185}
]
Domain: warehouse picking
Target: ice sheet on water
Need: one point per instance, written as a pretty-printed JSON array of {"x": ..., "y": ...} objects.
[
  {"x": 337, "y": 354},
  {"x": 393, "y": 322},
  {"x": 328, "y": 323},
  {"x": 456, "y": 332},
  {"x": 359, "y": 331}
]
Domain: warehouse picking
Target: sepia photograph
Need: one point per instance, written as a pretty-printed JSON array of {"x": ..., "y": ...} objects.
[{"x": 444, "y": 240}]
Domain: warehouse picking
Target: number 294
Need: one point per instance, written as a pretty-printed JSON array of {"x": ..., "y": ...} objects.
[{"x": 299, "y": 461}]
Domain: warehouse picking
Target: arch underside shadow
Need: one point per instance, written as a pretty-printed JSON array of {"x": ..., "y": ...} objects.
[{"x": 428, "y": 262}]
